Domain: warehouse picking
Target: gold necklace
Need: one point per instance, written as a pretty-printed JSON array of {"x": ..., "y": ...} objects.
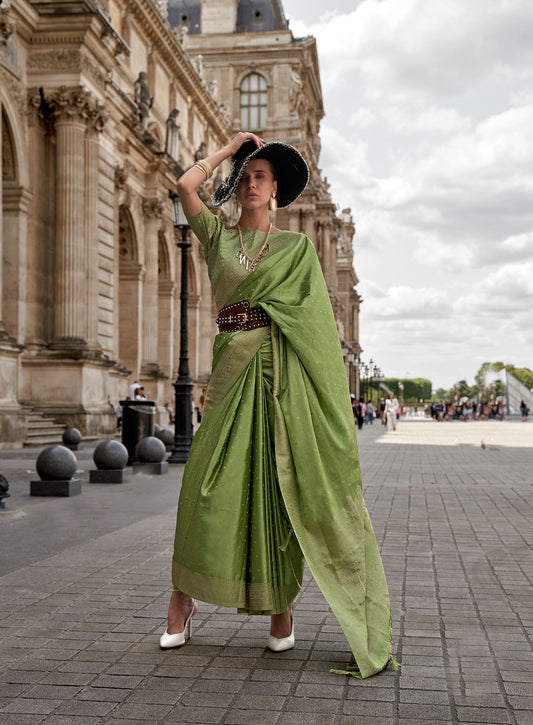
[{"x": 249, "y": 263}]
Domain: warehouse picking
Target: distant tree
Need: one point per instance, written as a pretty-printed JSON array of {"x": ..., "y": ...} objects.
[
  {"x": 482, "y": 373},
  {"x": 483, "y": 378},
  {"x": 414, "y": 390},
  {"x": 525, "y": 375},
  {"x": 440, "y": 394}
]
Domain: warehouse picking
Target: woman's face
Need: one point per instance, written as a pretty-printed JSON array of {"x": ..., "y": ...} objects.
[{"x": 257, "y": 184}]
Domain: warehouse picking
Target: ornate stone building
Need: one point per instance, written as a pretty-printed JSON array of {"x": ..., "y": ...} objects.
[{"x": 103, "y": 104}]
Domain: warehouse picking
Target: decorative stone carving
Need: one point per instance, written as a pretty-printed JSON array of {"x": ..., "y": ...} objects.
[
  {"x": 9, "y": 54},
  {"x": 7, "y": 27},
  {"x": 162, "y": 6},
  {"x": 152, "y": 207},
  {"x": 75, "y": 104},
  {"x": 93, "y": 71},
  {"x": 225, "y": 111},
  {"x": 180, "y": 32},
  {"x": 121, "y": 176},
  {"x": 143, "y": 99},
  {"x": 54, "y": 60},
  {"x": 198, "y": 62},
  {"x": 172, "y": 141},
  {"x": 200, "y": 151},
  {"x": 295, "y": 90},
  {"x": 212, "y": 87}
]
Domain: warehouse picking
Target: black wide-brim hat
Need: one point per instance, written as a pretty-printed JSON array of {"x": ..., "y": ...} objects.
[{"x": 292, "y": 173}]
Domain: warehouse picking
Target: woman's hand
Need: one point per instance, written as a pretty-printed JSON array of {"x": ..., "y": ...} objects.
[
  {"x": 238, "y": 140},
  {"x": 189, "y": 182}
]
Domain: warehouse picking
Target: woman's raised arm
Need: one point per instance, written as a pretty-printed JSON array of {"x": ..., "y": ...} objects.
[{"x": 189, "y": 182}]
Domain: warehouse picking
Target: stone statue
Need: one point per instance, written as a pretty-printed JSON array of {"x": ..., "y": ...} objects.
[
  {"x": 212, "y": 87},
  {"x": 224, "y": 110},
  {"x": 198, "y": 61},
  {"x": 180, "y": 32},
  {"x": 200, "y": 151},
  {"x": 162, "y": 6},
  {"x": 172, "y": 141},
  {"x": 143, "y": 99},
  {"x": 295, "y": 89}
]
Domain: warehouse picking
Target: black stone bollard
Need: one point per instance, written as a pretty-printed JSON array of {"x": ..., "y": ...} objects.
[
  {"x": 150, "y": 452},
  {"x": 56, "y": 465},
  {"x": 4, "y": 493},
  {"x": 167, "y": 436},
  {"x": 71, "y": 438},
  {"x": 110, "y": 458}
]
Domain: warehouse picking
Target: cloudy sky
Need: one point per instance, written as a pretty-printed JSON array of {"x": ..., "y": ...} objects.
[{"x": 428, "y": 137}]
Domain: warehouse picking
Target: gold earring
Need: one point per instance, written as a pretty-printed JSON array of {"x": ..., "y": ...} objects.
[{"x": 273, "y": 203}]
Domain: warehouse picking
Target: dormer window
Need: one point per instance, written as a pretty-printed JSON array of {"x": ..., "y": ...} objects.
[{"x": 253, "y": 102}]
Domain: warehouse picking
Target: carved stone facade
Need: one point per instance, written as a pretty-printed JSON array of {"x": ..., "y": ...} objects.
[{"x": 102, "y": 107}]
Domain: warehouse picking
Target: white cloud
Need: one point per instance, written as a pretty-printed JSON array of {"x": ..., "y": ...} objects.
[
  {"x": 428, "y": 47},
  {"x": 428, "y": 138}
]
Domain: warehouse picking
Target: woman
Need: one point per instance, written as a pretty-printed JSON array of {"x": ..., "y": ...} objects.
[
  {"x": 273, "y": 474},
  {"x": 391, "y": 406},
  {"x": 524, "y": 411}
]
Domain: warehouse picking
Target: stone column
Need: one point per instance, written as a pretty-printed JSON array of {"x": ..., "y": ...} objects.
[
  {"x": 326, "y": 253},
  {"x": 294, "y": 220},
  {"x": 309, "y": 224},
  {"x": 152, "y": 210},
  {"x": 2, "y": 326},
  {"x": 193, "y": 310},
  {"x": 331, "y": 231},
  {"x": 71, "y": 286},
  {"x": 167, "y": 290},
  {"x": 95, "y": 125}
]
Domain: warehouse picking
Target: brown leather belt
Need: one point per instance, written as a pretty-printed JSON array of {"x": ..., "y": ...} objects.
[{"x": 239, "y": 316}]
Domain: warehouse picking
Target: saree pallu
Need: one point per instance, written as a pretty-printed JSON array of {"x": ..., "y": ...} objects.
[{"x": 274, "y": 472}]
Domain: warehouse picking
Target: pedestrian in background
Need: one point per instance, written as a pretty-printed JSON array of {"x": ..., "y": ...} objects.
[{"x": 391, "y": 406}]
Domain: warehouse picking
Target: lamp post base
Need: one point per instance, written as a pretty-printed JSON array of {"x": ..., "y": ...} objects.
[{"x": 182, "y": 421}]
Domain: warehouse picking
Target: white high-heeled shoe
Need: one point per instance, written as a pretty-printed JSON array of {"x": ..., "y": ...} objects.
[
  {"x": 281, "y": 644},
  {"x": 167, "y": 641}
]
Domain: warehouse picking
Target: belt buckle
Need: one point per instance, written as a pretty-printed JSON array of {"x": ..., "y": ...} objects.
[{"x": 244, "y": 316}]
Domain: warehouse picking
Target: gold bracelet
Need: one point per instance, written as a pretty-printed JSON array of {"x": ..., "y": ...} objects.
[{"x": 205, "y": 167}]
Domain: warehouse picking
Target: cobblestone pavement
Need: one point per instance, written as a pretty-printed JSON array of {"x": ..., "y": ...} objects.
[{"x": 85, "y": 583}]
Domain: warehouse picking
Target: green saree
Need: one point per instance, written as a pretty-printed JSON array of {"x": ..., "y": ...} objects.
[{"x": 273, "y": 475}]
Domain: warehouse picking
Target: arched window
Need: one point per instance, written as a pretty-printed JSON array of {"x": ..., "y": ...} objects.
[{"x": 253, "y": 102}]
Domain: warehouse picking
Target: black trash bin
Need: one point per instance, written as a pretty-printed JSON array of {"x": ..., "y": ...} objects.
[{"x": 137, "y": 422}]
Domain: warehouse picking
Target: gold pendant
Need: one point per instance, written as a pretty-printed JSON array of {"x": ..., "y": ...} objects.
[{"x": 242, "y": 259}]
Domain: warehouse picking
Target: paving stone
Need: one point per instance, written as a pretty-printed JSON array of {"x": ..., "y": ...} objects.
[
  {"x": 103, "y": 694},
  {"x": 71, "y": 720},
  {"x": 21, "y": 719},
  {"x": 483, "y": 715},
  {"x": 84, "y": 638},
  {"x": 251, "y": 717},
  {"x": 79, "y": 708},
  {"x": 141, "y": 711},
  {"x": 315, "y": 705},
  {"x": 117, "y": 681},
  {"x": 184, "y": 714},
  {"x": 31, "y": 705},
  {"x": 368, "y": 708}
]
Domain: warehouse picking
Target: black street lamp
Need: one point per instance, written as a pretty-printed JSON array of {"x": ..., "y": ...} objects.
[
  {"x": 370, "y": 379},
  {"x": 351, "y": 363},
  {"x": 183, "y": 386}
]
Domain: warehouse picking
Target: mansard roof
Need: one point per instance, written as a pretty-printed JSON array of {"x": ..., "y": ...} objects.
[{"x": 252, "y": 15}]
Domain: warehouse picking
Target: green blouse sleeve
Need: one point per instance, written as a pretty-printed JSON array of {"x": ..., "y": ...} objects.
[{"x": 207, "y": 226}]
